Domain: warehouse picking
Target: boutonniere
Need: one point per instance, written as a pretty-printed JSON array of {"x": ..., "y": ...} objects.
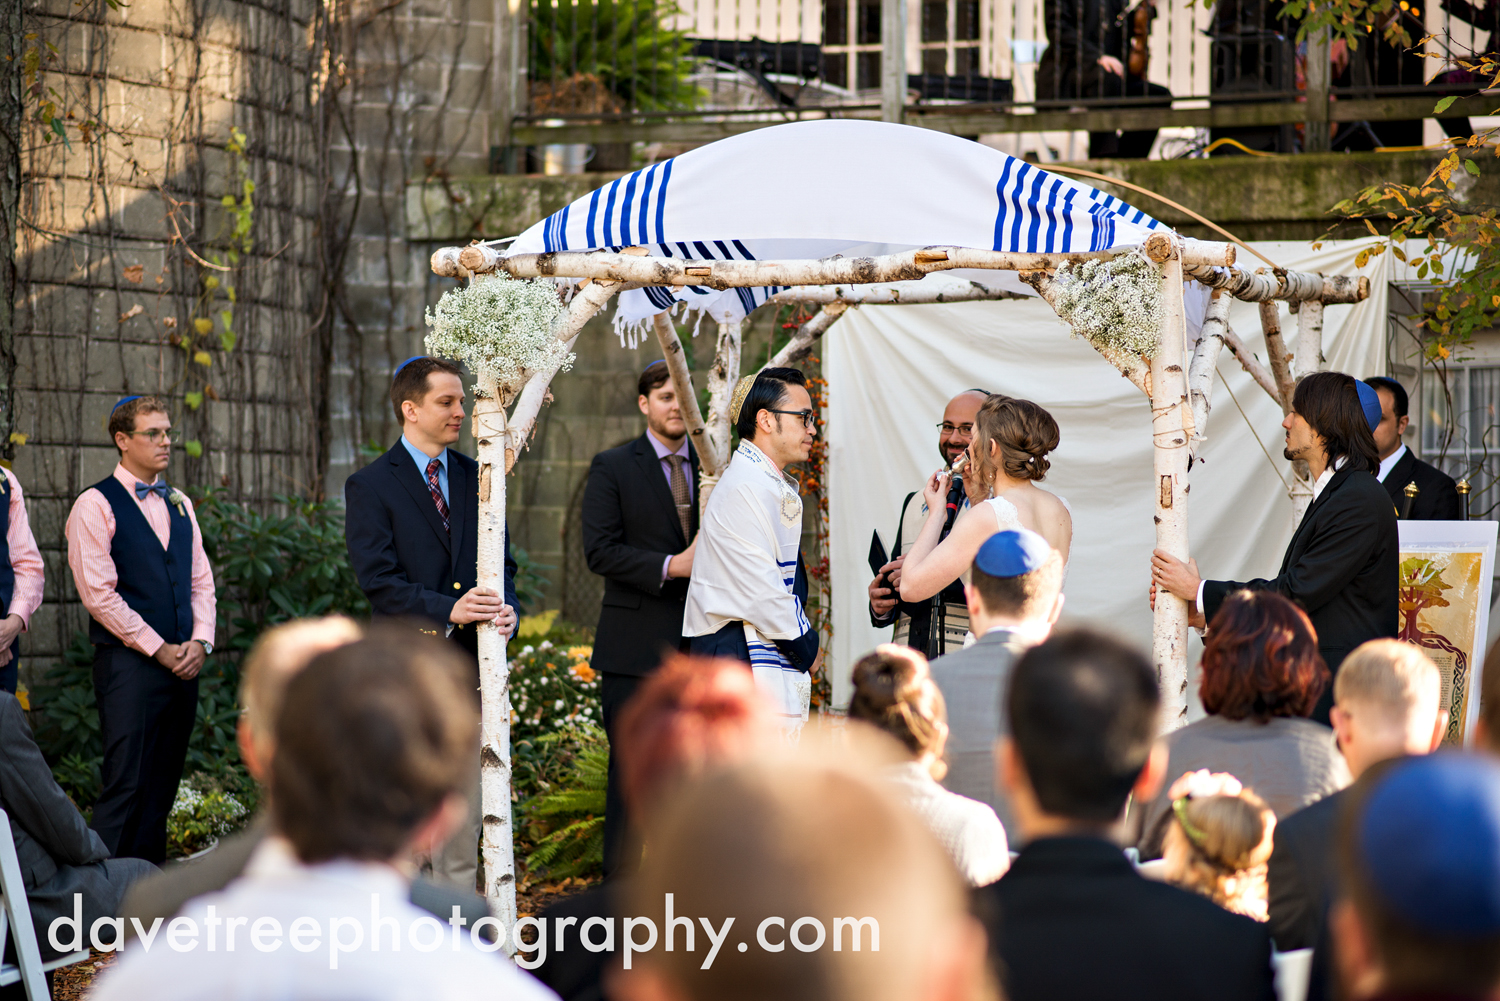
[{"x": 179, "y": 500}]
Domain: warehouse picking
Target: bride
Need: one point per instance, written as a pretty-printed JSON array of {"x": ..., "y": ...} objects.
[{"x": 1007, "y": 456}]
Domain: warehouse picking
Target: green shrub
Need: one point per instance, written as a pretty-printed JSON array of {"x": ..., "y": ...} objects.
[
  {"x": 552, "y": 689},
  {"x": 531, "y": 582},
  {"x": 624, "y": 44},
  {"x": 203, "y": 812},
  {"x": 566, "y": 824}
]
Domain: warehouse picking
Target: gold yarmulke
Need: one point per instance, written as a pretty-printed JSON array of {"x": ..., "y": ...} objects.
[{"x": 737, "y": 401}]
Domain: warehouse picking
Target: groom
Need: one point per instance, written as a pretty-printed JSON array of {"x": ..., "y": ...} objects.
[
  {"x": 748, "y": 594},
  {"x": 1342, "y": 563}
]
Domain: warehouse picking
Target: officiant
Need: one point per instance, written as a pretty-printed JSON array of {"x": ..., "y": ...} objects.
[
  {"x": 938, "y": 624},
  {"x": 1342, "y": 563},
  {"x": 747, "y": 597}
]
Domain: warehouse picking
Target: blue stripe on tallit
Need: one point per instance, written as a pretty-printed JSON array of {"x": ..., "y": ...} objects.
[
  {"x": 661, "y": 202},
  {"x": 562, "y": 228},
  {"x": 609, "y": 214},
  {"x": 646, "y": 202},
  {"x": 1034, "y": 205},
  {"x": 1002, "y": 191},
  {"x": 1052, "y": 190},
  {"x": 1015, "y": 223},
  {"x": 660, "y": 297},
  {"x": 625, "y": 236},
  {"x": 593, "y": 213}
]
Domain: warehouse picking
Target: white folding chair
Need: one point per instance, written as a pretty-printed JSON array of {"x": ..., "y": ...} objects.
[{"x": 15, "y": 921}]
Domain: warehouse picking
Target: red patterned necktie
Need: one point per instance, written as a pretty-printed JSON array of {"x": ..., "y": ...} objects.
[{"x": 437, "y": 493}]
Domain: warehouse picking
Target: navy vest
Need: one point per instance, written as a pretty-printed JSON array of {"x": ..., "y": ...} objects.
[
  {"x": 156, "y": 583},
  {"x": 7, "y": 574}
]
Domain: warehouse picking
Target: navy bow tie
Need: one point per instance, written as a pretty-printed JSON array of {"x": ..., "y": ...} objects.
[{"x": 160, "y": 487}]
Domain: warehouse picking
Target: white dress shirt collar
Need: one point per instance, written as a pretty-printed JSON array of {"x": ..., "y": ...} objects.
[
  {"x": 1389, "y": 463},
  {"x": 1327, "y": 475}
]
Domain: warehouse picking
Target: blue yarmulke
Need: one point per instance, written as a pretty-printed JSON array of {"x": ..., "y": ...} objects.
[
  {"x": 1370, "y": 401},
  {"x": 404, "y": 364},
  {"x": 1429, "y": 843},
  {"x": 659, "y": 361},
  {"x": 121, "y": 402},
  {"x": 1011, "y": 553}
]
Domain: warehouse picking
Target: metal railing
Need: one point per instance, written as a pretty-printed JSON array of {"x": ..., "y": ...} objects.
[{"x": 609, "y": 72}]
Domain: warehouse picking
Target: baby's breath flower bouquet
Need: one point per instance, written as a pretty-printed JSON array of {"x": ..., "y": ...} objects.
[
  {"x": 500, "y": 327},
  {"x": 1115, "y": 304}
]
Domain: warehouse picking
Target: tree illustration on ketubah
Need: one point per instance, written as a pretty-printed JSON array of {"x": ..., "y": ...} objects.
[{"x": 1422, "y": 587}]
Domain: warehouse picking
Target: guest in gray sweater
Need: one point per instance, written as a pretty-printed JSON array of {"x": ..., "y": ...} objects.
[{"x": 1261, "y": 677}]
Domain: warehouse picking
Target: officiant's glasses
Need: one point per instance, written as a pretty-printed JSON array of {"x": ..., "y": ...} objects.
[
  {"x": 966, "y": 430},
  {"x": 806, "y": 415}
]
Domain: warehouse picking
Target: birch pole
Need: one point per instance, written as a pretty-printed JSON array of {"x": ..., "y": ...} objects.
[
  {"x": 711, "y": 461},
  {"x": 1205, "y": 364},
  {"x": 1171, "y": 429},
  {"x": 721, "y": 381},
  {"x": 1306, "y": 358}
]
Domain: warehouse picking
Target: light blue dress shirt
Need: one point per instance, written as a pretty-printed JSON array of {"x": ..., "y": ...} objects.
[{"x": 421, "y": 458}]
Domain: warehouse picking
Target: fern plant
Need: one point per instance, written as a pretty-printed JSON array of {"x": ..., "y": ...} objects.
[{"x": 574, "y": 812}]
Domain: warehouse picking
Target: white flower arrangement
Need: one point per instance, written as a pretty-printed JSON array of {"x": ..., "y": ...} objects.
[
  {"x": 500, "y": 327},
  {"x": 1115, "y": 304}
]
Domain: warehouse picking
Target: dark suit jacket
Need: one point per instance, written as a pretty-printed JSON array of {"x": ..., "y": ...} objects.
[
  {"x": 419, "y": 570},
  {"x": 1341, "y": 567},
  {"x": 1301, "y": 875},
  {"x": 1072, "y": 919},
  {"x": 1437, "y": 494},
  {"x": 630, "y": 527},
  {"x": 59, "y": 854}
]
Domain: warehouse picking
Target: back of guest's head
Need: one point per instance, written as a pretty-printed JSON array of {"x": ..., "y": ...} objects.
[
  {"x": 1083, "y": 713},
  {"x": 1025, "y": 433},
  {"x": 1330, "y": 403},
  {"x": 279, "y": 653},
  {"x": 1017, "y": 575},
  {"x": 1419, "y": 850},
  {"x": 693, "y": 714},
  {"x": 371, "y": 738},
  {"x": 765, "y": 392},
  {"x": 1218, "y": 844},
  {"x": 1261, "y": 659},
  {"x": 1393, "y": 685},
  {"x": 894, "y": 691},
  {"x": 814, "y": 856}
]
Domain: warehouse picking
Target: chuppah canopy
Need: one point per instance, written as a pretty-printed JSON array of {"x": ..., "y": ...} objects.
[{"x": 812, "y": 190}]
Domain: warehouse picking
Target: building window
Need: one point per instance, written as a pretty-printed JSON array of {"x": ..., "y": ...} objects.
[
  {"x": 1462, "y": 437},
  {"x": 851, "y": 44},
  {"x": 950, "y": 37}
]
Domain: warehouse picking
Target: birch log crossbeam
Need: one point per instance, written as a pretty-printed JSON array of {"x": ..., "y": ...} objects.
[
  {"x": 890, "y": 295},
  {"x": 631, "y": 266},
  {"x": 1290, "y": 286}
]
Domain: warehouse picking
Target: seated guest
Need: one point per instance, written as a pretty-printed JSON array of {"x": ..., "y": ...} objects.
[
  {"x": 374, "y": 743},
  {"x": 1218, "y": 841},
  {"x": 1261, "y": 677},
  {"x": 805, "y": 862},
  {"x": 278, "y": 654},
  {"x": 60, "y": 856},
  {"x": 1072, "y": 918},
  {"x": 1014, "y": 595},
  {"x": 692, "y": 714},
  {"x": 894, "y": 692},
  {"x": 1419, "y": 854},
  {"x": 1386, "y": 704}
]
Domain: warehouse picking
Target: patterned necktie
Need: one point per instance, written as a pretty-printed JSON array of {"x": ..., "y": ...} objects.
[
  {"x": 436, "y": 491},
  {"x": 680, "y": 494}
]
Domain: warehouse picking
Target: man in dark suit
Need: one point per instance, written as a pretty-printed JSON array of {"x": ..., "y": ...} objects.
[
  {"x": 1342, "y": 563},
  {"x": 1437, "y": 495},
  {"x": 412, "y": 526},
  {"x": 1072, "y": 918},
  {"x": 640, "y": 523},
  {"x": 60, "y": 856}
]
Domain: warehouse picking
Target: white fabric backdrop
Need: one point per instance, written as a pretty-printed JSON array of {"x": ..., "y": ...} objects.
[{"x": 891, "y": 369}]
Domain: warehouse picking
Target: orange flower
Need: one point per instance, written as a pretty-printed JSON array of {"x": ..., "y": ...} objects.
[{"x": 582, "y": 671}]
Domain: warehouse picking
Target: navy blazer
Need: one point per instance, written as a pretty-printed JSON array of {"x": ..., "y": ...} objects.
[{"x": 419, "y": 570}]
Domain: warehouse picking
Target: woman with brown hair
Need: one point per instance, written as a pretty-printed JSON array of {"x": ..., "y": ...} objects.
[
  {"x": 894, "y": 692},
  {"x": 1219, "y": 841},
  {"x": 1261, "y": 677},
  {"x": 1007, "y": 458}
]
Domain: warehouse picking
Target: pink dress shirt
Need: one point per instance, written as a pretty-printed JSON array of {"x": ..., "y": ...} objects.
[
  {"x": 25, "y": 557},
  {"x": 91, "y": 531}
]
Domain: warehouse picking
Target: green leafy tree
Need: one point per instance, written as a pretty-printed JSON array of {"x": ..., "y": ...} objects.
[{"x": 623, "y": 44}]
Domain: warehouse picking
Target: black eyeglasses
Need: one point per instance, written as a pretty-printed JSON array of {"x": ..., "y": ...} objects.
[
  {"x": 967, "y": 430},
  {"x": 807, "y": 415}
]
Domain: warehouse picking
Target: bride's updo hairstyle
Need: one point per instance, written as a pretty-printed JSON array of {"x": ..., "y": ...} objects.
[{"x": 1025, "y": 433}]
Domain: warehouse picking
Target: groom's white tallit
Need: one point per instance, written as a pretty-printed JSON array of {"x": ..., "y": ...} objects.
[{"x": 744, "y": 569}]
